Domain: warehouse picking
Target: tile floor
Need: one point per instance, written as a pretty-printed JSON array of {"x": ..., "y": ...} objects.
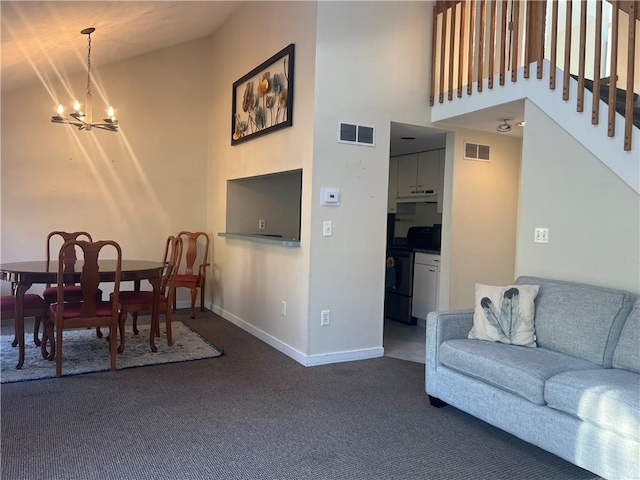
[{"x": 406, "y": 342}]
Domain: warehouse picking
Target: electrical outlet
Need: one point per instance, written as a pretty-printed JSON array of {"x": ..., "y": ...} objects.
[
  {"x": 325, "y": 318},
  {"x": 327, "y": 228},
  {"x": 284, "y": 308},
  {"x": 541, "y": 235},
  {"x": 262, "y": 224}
]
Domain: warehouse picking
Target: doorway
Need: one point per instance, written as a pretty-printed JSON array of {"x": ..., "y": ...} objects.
[{"x": 406, "y": 339}]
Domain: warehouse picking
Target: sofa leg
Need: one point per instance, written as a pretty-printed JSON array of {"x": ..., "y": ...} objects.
[{"x": 436, "y": 402}]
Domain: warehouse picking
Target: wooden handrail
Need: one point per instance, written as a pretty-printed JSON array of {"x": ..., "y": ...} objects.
[{"x": 486, "y": 38}]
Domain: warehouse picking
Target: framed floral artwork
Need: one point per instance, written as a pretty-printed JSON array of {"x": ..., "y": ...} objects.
[{"x": 263, "y": 98}]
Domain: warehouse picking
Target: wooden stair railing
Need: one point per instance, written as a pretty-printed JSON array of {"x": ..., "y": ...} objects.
[{"x": 496, "y": 37}]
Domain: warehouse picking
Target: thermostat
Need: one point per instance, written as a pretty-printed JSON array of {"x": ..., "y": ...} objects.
[{"x": 330, "y": 197}]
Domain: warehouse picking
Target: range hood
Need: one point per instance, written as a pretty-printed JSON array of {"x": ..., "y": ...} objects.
[{"x": 425, "y": 196}]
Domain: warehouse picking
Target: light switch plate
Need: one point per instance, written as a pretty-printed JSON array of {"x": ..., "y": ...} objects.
[{"x": 327, "y": 228}]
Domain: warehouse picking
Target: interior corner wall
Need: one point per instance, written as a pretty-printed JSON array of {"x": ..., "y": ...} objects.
[
  {"x": 483, "y": 215},
  {"x": 593, "y": 217},
  {"x": 251, "y": 280},
  {"x": 137, "y": 186}
]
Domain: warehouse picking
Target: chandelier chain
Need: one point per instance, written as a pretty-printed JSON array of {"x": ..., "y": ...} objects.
[{"x": 89, "y": 65}]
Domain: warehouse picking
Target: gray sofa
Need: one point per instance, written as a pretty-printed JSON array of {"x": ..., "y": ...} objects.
[{"x": 576, "y": 395}]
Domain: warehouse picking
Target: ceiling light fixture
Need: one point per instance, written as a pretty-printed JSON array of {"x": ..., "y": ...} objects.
[
  {"x": 521, "y": 124},
  {"x": 84, "y": 120},
  {"x": 504, "y": 127}
]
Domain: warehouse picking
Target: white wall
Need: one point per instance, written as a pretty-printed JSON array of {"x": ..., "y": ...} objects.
[
  {"x": 251, "y": 279},
  {"x": 483, "y": 216},
  {"x": 593, "y": 217},
  {"x": 343, "y": 273},
  {"x": 137, "y": 186},
  {"x": 371, "y": 69}
]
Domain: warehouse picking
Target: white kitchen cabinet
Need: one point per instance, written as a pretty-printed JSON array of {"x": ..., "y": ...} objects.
[
  {"x": 407, "y": 175},
  {"x": 427, "y": 171},
  {"x": 393, "y": 185},
  {"x": 426, "y": 284},
  {"x": 418, "y": 173}
]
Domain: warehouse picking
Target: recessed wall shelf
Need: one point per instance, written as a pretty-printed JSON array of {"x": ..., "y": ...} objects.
[
  {"x": 265, "y": 208},
  {"x": 272, "y": 240}
]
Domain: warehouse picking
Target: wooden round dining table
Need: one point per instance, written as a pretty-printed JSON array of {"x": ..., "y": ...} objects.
[{"x": 23, "y": 275}]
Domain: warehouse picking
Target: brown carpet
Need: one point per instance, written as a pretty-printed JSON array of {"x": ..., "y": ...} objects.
[{"x": 254, "y": 414}]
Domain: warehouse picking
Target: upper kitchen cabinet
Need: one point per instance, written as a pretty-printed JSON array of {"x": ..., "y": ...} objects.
[
  {"x": 419, "y": 174},
  {"x": 407, "y": 175},
  {"x": 428, "y": 171}
]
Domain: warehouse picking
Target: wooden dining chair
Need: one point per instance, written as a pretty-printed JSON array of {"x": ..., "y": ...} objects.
[
  {"x": 34, "y": 306},
  {"x": 72, "y": 290},
  {"x": 194, "y": 275},
  {"x": 137, "y": 301},
  {"x": 89, "y": 311}
]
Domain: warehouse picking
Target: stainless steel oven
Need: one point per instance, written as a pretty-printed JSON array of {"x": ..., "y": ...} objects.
[
  {"x": 399, "y": 270},
  {"x": 399, "y": 285}
]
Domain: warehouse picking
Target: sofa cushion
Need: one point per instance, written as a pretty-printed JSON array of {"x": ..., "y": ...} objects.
[
  {"x": 505, "y": 314},
  {"x": 578, "y": 319},
  {"x": 518, "y": 370},
  {"x": 609, "y": 398},
  {"x": 627, "y": 352}
]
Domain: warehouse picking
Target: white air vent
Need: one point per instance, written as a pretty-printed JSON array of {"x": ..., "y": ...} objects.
[
  {"x": 475, "y": 151},
  {"x": 356, "y": 134}
]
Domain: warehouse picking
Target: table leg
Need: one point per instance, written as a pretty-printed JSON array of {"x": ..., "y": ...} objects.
[
  {"x": 136, "y": 287},
  {"x": 155, "y": 314},
  {"x": 21, "y": 288}
]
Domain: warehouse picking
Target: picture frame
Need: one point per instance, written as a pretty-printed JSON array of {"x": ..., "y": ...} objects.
[{"x": 263, "y": 98}]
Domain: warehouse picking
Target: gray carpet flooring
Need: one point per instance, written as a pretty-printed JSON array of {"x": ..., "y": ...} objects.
[{"x": 254, "y": 414}]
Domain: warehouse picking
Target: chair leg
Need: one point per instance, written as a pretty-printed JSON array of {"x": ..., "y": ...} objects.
[
  {"x": 175, "y": 300},
  {"x": 48, "y": 337},
  {"x": 194, "y": 291},
  {"x": 122, "y": 319},
  {"x": 169, "y": 336},
  {"x": 36, "y": 329},
  {"x": 112, "y": 345},
  {"x": 135, "y": 323},
  {"x": 202, "y": 295},
  {"x": 58, "y": 353},
  {"x": 98, "y": 332}
]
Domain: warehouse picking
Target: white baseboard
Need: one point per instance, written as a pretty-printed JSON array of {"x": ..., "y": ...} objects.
[{"x": 306, "y": 360}]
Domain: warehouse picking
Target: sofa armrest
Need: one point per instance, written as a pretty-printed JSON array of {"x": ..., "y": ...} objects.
[{"x": 443, "y": 326}]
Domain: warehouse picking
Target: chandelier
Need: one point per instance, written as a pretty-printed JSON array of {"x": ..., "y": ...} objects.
[{"x": 84, "y": 120}]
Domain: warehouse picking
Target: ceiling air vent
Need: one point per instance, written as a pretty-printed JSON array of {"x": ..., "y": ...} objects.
[
  {"x": 475, "y": 151},
  {"x": 356, "y": 134}
]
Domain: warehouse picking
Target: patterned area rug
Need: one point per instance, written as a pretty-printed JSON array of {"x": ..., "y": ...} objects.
[{"x": 84, "y": 352}]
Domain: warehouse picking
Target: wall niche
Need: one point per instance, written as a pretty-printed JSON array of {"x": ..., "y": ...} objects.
[{"x": 265, "y": 207}]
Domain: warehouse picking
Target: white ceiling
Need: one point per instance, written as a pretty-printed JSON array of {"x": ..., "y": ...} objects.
[
  {"x": 42, "y": 40},
  {"x": 434, "y": 138}
]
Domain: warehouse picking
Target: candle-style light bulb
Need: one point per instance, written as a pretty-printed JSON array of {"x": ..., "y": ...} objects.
[
  {"x": 76, "y": 106},
  {"x": 110, "y": 112},
  {"x": 60, "y": 110}
]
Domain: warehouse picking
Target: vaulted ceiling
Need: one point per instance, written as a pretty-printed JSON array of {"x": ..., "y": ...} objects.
[{"x": 41, "y": 39}]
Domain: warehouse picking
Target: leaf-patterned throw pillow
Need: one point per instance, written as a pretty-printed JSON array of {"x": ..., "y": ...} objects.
[{"x": 505, "y": 314}]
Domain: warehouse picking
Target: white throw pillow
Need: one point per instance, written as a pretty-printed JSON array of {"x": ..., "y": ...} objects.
[{"x": 505, "y": 314}]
